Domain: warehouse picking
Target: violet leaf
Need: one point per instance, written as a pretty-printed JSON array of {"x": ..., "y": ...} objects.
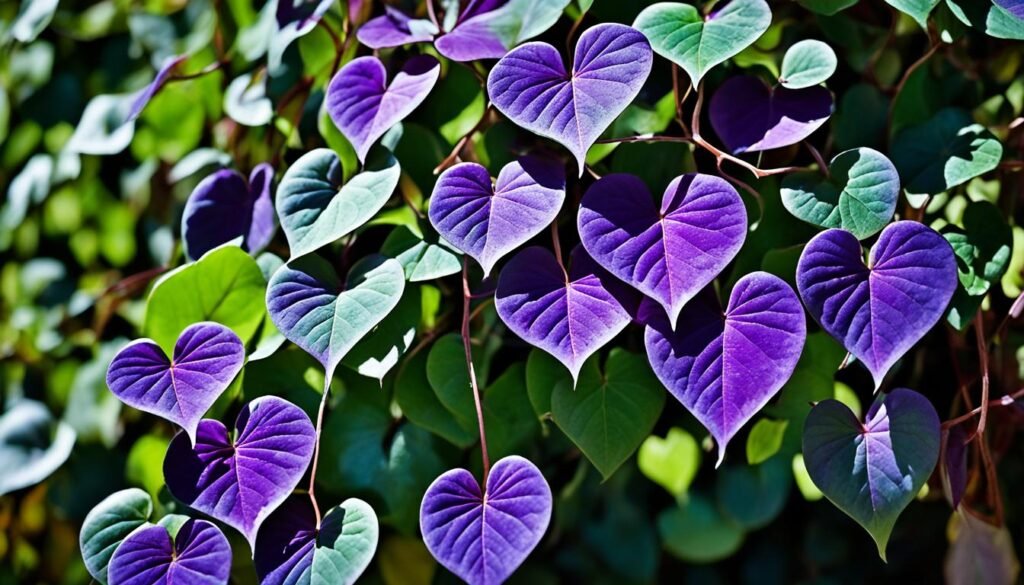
[
  {"x": 488, "y": 221},
  {"x": 315, "y": 310},
  {"x": 697, "y": 43},
  {"x": 207, "y": 357},
  {"x": 394, "y": 29},
  {"x": 293, "y": 550},
  {"x": 364, "y": 106},
  {"x": 725, "y": 366},
  {"x": 859, "y": 194},
  {"x": 871, "y": 470},
  {"x": 316, "y": 209},
  {"x": 199, "y": 554},
  {"x": 490, "y": 34},
  {"x": 750, "y": 116},
  {"x": 531, "y": 86},
  {"x": 568, "y": 313},
  {"x": 671, "y": 254},
  {"x": 878, "y": 310},
  {"x": 954, "y": 464},
  {"x": 484, "y": 535},
  {"x": 224, "y": 207},
  {"x": 143, "y": 97}
]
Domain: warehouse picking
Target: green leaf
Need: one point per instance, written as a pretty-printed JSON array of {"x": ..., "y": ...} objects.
[
  {"x": 144, "y": 467},
  {"x": 671, "y": 462},
  {"x": 862, "y": 118},
  {"x": 982, "y": 247},
  {"x": 225, "y": 285},
  {"x": 421, "y": 260},
  {"x": 807, "y": 63},
  {"x": 449, "y": 378},
  {"x": 379, "y": 351},
  {"x": 609, "y": 415},
  {"x": 859, "y": 194},
  {"x": 804, "y": 483},
  {"x": 944, "y": 152},
  {"x": 696, "y": 532},
  {"x": 827, "y": 7},
  {"x": 420, "y": 404},
  {"x": 679, "y": 33},
  {"x": 108, "y": 524},
  {"x": 32, "y": 445},
  {"x": 316, "y": 209},
  {"x": 812, "y": 380},
  {"x": 754, "y": 495},
  {"x": 405, "y": 561},
  {"x": 544, "y": 375},
  {"x": 33, "y": 16},
  {"x": 102, "y": 129},
  {"x": 917, "y": 9},
  {"x": 345, "y": 542},
  {"x": 765, "y": 440}
]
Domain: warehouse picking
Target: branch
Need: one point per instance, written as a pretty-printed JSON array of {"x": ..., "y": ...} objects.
[
  {"x": 316, "y": 446},
  {"x": 979, "y": 332},
  {"x": 466, "y": 344},
  {"x": 454, "y": 154},
  {"x": 1006, "y": 400}
]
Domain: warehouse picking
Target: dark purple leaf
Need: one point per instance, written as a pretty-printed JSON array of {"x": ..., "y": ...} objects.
[
  {"x": 488, "y": 221},
  {"x": 394, "y": 29},
  {"x": 484, "y": 537},
  {"x": 671, "y": 254},
  {"x": 569, "y": 315},
  {"x": 725, "y": 366},
  {"x": 880, "y": 310},
  {"x": 145, "y": 94},
  {"x": 954, "y": 465},
  {"x": 207, "y": 357},
  {"x": 224, "y": 207},
  {"x": 364, "y": 107},
  {"x": 199, "y": 554},
  {"x": 305, "y": 13},
  {"x": 1014, "y": 7},
  {"x": 531, "y": 86},
  {"x": 872, "y": 470},
  {"x": 750, "y": 116},
  {"x": 241, "y": 478}
]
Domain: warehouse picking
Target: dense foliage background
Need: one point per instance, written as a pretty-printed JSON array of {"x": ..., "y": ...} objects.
[{"x": 84, "y": 237}]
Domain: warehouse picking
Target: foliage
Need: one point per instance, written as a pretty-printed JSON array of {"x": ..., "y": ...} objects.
[{"x": 318, "y": 291}]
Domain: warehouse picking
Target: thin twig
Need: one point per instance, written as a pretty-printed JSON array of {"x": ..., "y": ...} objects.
[
  {"x": 467, "y": 345},
  {"x": 454, "y": 154},
  {"x": 645, "y": 138},
  {"x": 316, "y": 446},
  {"x": 556, "y": 244},
  {"x": 1007, "y": 400},
  {"x": 822, "y": 165},
  {"x": 979, "y": 331}
]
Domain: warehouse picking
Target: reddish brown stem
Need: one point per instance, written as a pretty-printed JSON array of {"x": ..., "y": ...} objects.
[
  {"x": 998, "y": 402},
  {"x": 467, "y": 346},
  {"x": 979, "y": 331}
]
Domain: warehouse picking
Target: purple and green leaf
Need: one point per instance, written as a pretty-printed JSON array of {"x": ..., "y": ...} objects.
[{"x": 198, "y": 554}]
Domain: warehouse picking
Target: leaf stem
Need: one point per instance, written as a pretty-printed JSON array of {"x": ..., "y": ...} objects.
[
  {"x": 466, "y": 344},
  {"x": 822, "y": 165},
  {"x": 316, "y": 447},
  {"x": 979, "y": 332},
  {"x": 454, "y": 154},
  {"x": 1006, "y": 400}
]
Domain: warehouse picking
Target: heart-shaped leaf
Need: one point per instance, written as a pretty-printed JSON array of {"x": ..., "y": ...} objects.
[
  {"x": 570, "y": 314},
  {"x": 102, "y": 129},
  {"x": 954, "y": 464},
  {"x": 226, "y": 285},
  {"x": 422, "y": 260},
  {"x": 487, "y": 222},
  {"x": 241, "y": 478},
  {"x": 946, "y": 151},
  {"x": 608, "y": 414},
  {"x": 724, "y": 367},
  {"x": 363, "y": 105},
  {"x": 107, "y": 524},
  {"x": 316, "y": 209},
  {"x": 859, "y": 193},
  {"x": 696, "y": 43},
  {"x": 326, "y": 317},
  {"x": 292, "y": 549},
  {"x": 750, "y": 116},
  {"x": 872, "y": 470},
  {"x": 671, "y": 462},
  {"x": 198, "y": 554},
  {"x": 143, "y": 97},
  {"x": 246, "y": 100},
  {"x": 483, "y": 537},
  {"x": 979, "y": 552},
  {"x": 490, "y": 34},
  {"x": 224, "y": 207},
  {"x": 880, "y": 310},
  {"x": 917, "y": 9},
  {"x": 32, "y": 445},
  {"x": 983, "y": 246},
  {"x": 207, "y": 357},
  {"x": 807, "y": 63},
  {"x": 531, "y": 86},
  {"x": 671, "y": 254}
]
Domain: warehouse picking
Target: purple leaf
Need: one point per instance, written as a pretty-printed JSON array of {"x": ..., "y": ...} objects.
[
  {"x": 207, "y": 357},
  {"x": 749, "y": 116},
  {"x": 569, "y": 315},
  {"x": 954, "y": 464},
  {"x": 487, "y": 222},
  {"x": 484, "y": 537},
  {"x": 487, "y": 30},
  {"x": 240, "y": 479},
  {"x": 293, "y": 550},
  {"x": 671, "y": 254},
  {"x": 872, "y": 470},
  {"x": 364, "y": 107},
  {"x": 304, "y": 13},
  {"x": 199, "y": 554},
  {"x": 724, "y": 367},
  {"x": 394, "y": 29},
  {"x": 1014, "y": 7},
  {"x": 880, "y": 310},
  {"x": 146, "y": 94},
  {"x": 532, "y": 88},
  {"x": 224, "y": 207}
]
